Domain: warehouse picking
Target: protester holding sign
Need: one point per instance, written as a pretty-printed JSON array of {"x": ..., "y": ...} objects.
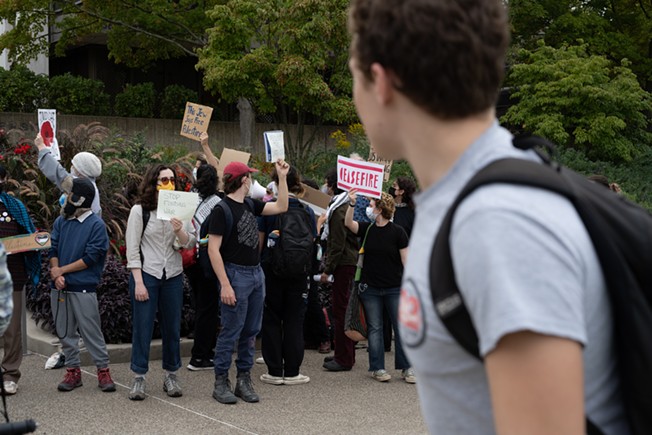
[
  {"x": 156, "y": 282},
  {"x": 84, "y": 165},
  {"x": 379, "y": 287},
  {"x": 14, "y": 219}
]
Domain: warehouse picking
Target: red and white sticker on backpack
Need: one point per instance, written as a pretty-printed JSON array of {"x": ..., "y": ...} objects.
[{"x": 411, "y": 316}]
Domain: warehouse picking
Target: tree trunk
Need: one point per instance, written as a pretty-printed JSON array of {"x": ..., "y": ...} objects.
[{"x": 247, "y": 124}]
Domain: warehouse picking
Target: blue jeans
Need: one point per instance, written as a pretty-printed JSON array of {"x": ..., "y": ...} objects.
[
  {"x": 374, "y": 299},
  {"x": 241, "y": 322},
  {"x": 166, "y": 298}
]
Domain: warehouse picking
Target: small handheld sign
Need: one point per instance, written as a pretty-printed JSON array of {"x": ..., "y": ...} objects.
[
  {"x": 195, "y": 120},
  {"x": 47, "y": 127},
  {"x": 365, "y": 176},
  {"x": 274, "y": 145}
]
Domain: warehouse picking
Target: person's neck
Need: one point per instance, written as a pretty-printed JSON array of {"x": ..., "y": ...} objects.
[
  {"x": 381, "y": 221},
  {"x": 432, "y": 146},
  {"x": 239, "y": 195}
]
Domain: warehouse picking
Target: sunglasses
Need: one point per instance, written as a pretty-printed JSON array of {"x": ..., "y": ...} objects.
[{"x": 166, "y": 180}]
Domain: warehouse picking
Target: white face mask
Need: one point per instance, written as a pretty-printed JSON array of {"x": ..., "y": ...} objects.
[
  {"x": 73, "y": 172},
  {"x": 194, "y": 174},
  {"x": 324, "y": 189},
  {"x": 370, "y": 214}
]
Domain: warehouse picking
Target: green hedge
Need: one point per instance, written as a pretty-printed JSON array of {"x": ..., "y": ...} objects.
[
  {"x": 21, "y": 90},
  {"x": 75, "y": 95},
  {"x": 137, "y": 101},
  {"x": 173, "y": 102}
]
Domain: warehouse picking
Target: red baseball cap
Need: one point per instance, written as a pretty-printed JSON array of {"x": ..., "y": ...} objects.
[{"x": 238, "y": 169}]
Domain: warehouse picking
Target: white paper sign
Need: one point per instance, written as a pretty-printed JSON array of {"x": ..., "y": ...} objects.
[
  {"x": 365, "y": 176},
  {"x": 47, "y": 126},
  {"x": 274, "y": 145},
  {"x": 173, "y": 203}
]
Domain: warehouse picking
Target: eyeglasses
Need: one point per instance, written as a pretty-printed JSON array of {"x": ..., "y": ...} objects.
[{"x": 166, "y": 180}]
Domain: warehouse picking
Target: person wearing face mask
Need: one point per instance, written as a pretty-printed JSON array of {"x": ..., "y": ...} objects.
[
  {"x": 79, "y": 244},
  {"x": 24, "y": 267},
  {"x": 84, "y": 165},
  {"x": 402, "y": 190},
  {"x": 385, "y": 253},
  {"x": 156, "y": 281},
  {"x": 235, "y": 257}
]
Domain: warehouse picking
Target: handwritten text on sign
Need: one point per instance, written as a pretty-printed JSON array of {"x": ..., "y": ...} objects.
[
  {"x": 172, "y": 203},
  {"x": 195, "y": 120},
  {"x": 364, "y": 176}
]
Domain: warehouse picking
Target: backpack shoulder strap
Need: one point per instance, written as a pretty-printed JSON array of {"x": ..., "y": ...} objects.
[
  {"x": 447, "y": 299},
  {"x": 228, "y": 220},
  {"x": 146, "y": 214}
]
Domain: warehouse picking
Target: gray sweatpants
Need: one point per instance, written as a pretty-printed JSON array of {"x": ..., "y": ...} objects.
[{"x": 74, "y": 313}]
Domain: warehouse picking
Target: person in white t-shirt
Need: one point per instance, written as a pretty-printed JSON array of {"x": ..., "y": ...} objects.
[{"x": 523, "y": 261}]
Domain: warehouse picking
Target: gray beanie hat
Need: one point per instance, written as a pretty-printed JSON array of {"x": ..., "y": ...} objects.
[{"x": 87, "y": 164}]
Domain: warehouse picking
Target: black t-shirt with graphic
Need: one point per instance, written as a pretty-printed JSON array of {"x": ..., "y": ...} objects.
[
  {"x": 242, "y": 245},
  {"x": 382, "y": 266}
]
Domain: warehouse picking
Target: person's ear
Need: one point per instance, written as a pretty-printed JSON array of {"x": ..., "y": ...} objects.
[{"x": 382, "y": 83}]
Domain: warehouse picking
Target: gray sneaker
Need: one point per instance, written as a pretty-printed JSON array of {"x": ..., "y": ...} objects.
[
  {"x": 137, "y": 391},
  {"x": 171, "y": 386}
]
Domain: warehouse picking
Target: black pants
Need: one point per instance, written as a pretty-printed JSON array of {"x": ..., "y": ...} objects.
[
  {"x": 282, "y": 332},
  {"x": 314, "y": 325},
  {"x": 207, "y": 309}
]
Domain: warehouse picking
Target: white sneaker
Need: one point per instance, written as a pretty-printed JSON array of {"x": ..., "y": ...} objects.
[
  {"x": 272, "y": 380},
  {"x": 408, "y": 376},
  {"x": 260, "y": 360},
  {"x": 381, "y": 375},
  {"x": 10, "y": 387},
  {"x": 296, "y": 380}
]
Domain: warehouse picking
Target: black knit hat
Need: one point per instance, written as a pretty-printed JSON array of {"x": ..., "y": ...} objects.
[{"x": 83, "y": 193}]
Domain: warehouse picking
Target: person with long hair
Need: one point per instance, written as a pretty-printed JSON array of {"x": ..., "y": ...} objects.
[
  {"x": 402, "y": 190},
  {"x": 384, "y": 254},
  {"x": 285, "y": 307},
  {"x": 204, "y": 288},
  {"x": 156, "y": 281}
]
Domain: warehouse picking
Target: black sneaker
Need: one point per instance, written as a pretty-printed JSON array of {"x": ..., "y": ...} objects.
[{"x": 200, "y": 364}]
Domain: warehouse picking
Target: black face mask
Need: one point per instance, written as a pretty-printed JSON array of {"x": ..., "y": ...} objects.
[{"x": 392, "y": 191}]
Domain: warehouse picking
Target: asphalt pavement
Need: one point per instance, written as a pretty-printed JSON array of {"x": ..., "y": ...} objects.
[{"x": 332, "y": 403}]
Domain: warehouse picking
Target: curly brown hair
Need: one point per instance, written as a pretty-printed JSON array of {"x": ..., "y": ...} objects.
[
  {"x": 147, "y": 193},
  {"x": 446, "y": 56},
  {"x": 386, "y": 205}
]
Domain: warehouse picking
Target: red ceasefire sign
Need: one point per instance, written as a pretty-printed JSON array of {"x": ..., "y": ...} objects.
[{"x": 365, "y": 176}]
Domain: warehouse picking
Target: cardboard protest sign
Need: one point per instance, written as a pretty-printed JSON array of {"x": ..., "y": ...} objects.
[
  {"x": 229, "y": 155},
  {"x": 178, "y": 204},
  {"x": 26, "y": 242},
  {"x": 274, "y": 145},
  {"x": 47, "y": 126},
  {"x": 364, "y": 176},
  {"x": 373, "y": 157},
  {"x": 195, "y": 120},
  {"x": 315, "y": 199}
]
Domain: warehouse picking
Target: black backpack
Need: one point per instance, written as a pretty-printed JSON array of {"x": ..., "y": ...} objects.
[
  {"x": 204, "y": 259},
  {"x": 293, "y": 251},
  {"x": 622, "y": 236}
]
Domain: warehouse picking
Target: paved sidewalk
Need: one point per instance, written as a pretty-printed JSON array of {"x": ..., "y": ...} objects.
[{"x": 335, "y": 403}]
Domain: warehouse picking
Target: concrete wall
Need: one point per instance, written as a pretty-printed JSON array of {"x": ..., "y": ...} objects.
[{"x": 166, "y": 131}]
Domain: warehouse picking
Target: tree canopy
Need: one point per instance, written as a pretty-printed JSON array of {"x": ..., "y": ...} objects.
[
  {"x": 617, "y": 29},
  {"x": 288, "y": 57},
  {"x": 135, "y": 31},
  {"x": 581, "y": 100}
]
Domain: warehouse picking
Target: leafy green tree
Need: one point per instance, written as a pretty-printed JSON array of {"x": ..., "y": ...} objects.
[
  {"x": 70, "y": 94},
  {"x": 137, "y": 31},
  {"x": 580, "y": 100},
  {"x": 617, "y": 29},
  {"x": 287, "y": 57}
]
